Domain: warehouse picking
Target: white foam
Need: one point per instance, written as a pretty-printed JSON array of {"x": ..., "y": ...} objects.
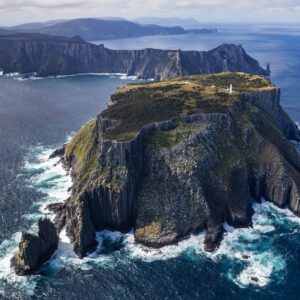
[
  {"x": 123, "y": 76},
  {"x": 50, "y": 179},
  {"x": 7, "y": 249},
  {"x": 249, "y": 246},
  {"x": 12, "y": 74},
  {"x": 150, "y": 254},
  {"x": 64, "y": 254},
  {"x": 53, "y": 181},
  {"x": 65, "y": 257}
]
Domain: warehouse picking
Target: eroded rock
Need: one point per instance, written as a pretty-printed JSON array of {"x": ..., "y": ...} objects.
[
  {"x": 34, "y": 250},
  {"x": 60, "y": 215}
]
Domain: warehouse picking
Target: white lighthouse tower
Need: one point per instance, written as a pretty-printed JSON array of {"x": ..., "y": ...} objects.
[{"x": 230, "y": 89}]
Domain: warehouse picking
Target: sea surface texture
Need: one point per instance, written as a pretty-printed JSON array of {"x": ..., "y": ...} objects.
[{"x": 39, "y": 115}]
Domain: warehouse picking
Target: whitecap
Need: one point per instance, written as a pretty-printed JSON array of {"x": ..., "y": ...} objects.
[
  {"x": 7, "y": 276},
  {"x": 50, "y": 178},
  {"x": 250, "y": 248},
  {"x": 164, "y": 253},
  {"x": 65, "y": 257},
  {"x": 126, "y": 77},
  {"x": 13, "y": 74}
]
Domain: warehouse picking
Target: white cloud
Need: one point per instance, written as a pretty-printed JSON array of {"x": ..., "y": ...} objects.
[{"x": 17, "y": 11}]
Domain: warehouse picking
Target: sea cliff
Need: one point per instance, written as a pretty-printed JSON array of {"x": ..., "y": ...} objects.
[
  {"x": 172, "y": 158},
  {"x": 50, "y": 55}
]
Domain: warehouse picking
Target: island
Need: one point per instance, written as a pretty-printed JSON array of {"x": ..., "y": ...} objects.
[{"x": 170, "y": 159}]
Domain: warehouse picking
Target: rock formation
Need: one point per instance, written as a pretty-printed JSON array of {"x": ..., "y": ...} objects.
[
  {"x": 35, "y": 250},
  {"x": 59, "y": 209},
  {"x": 50, "y": 55},
  {"x": 172, "y": 158}
]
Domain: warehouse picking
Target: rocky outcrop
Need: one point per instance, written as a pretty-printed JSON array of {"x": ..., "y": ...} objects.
[
  {"x": 48, "y": 55},
  {"x": 59, "y": 209},
  {"x": 58, "y": 153},
  {"x": 35, "y": 250},
  {"x": 184, "y": 174}
]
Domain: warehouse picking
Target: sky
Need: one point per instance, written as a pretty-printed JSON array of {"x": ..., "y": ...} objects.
[{"x": 14, "y": 12}]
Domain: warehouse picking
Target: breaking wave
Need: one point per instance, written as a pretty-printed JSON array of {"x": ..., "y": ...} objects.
[
  {"x": 34, "y": 76},
  {"x": 248, "y": 255},
  {"x": 50, "y": 178}
]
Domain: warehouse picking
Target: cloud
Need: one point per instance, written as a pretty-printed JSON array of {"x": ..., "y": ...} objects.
[
  {"x": 29, "y": 4},
  {"x": 205, "y": 10}
]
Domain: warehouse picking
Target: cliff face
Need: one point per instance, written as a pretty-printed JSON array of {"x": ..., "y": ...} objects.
[
  {"x": 171, "y": 168},
  {"x": 48, "y": 55}
]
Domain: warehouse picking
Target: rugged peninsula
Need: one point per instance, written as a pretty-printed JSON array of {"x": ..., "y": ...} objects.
[
  {"x": 172, "y": 158},
  {"x": 50, "y": 55}
]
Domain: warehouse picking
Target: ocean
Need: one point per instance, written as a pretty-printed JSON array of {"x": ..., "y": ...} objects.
[{"x": 39, "y": 115}]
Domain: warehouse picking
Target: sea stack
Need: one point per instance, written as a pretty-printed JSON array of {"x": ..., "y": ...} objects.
[{"x": 34, "y": 250}]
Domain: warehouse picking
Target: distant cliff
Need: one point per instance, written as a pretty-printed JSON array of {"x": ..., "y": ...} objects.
[
  {"x": 172, "y": 158},
  {"x": 48, "y": 55},
  {"x": 99, "y": 29},
  {"x": 95, "y": 29}
]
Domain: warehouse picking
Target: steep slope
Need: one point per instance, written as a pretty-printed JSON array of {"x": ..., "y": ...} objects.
[
  {"x": 175, "y": 157},
  {"x": 48, "y": 55}
]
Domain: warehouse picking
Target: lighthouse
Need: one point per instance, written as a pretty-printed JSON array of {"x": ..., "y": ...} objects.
[{"x": 230, "y": 89}]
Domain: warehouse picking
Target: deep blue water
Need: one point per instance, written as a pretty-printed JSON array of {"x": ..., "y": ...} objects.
[{"x": 36, "y": 116}]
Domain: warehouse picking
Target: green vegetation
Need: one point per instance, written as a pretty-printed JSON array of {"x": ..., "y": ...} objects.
[
  {"x": 241, "y": 82},
  {"x": 83, "y": 141},
  {"x": 169, "y": 138},
  {"x": 83, "y": 147},
  {"x": 136, "y": 105},
  {"x": 112, "y": 177}
]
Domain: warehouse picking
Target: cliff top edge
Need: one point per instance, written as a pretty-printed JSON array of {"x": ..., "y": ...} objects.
[{"x": 135, "y": 105}]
